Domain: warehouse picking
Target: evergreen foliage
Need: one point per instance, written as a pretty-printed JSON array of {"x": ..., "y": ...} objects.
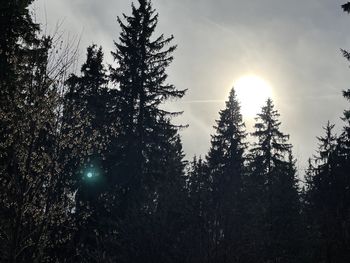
[
  {"x": 225, "y": 162},
  {"x": 275, "y": 221},
  {"x": 147, "y": 154},
  {"x": 92, "y": 167}
]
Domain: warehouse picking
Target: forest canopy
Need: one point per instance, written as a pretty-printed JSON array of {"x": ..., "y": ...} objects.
[{"x": 93, "y": 167}]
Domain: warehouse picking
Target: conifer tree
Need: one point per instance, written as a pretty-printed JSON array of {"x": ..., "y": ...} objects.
[
  {"x": 199, "y": 235},
  {"x": 327, "y": 198},
  {"x": 273, "y": 191},
  {"x": 341, "y": 165},
  {"x": 146, "y": 144},
  {"x": 226, "y": 165},
  {"x": 86, "y": 115},
  {"x": 169, "y": 195},
  {"x": 86, "y": 109},
  {"x": 141, "y": 89},
  {"x": 324, "y": 199},
  {"x": 345, "y": 137},
  {"x": 271, "y": 148},
  {"x": 18, "y": 33}
]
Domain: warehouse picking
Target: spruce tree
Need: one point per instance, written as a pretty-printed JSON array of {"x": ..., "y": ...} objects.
[
  {"x": 327, "y": 197},
  {"x": 273, "y": 191},
  {"x": 18, "y": 33},
  {"x": 199, "y": 235},
  {"x": 324, "y": 200},
  {"x": 86, "y": 109},
  {"x": 141, "y": 88},
  {"x": 226, "y": 167},
  {"x": 146, "y": 144},
  {"x": 86, "y": 115},
  {"x": 342, "y": 178}
]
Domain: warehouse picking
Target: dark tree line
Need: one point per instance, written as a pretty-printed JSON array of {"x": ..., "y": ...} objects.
[{"x": 92, "y": 167}]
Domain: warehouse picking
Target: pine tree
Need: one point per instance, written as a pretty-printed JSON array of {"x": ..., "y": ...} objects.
[
  {"x": 327, "y": 197},
  {"x": 341, "y": 166},
  {"x": 273, "y": 191},
  {"x": 18, "y": 33},
  {"x": 86, "y": 115},
  {"x": 322, "y": 198},
  {"x": 86, "y": 109},
  {"x": 226, "y": 165},
  {"x": 199, "y": 235},
  {"x": 169, "y": 200},
  {"x": 146, "y": 145},
  {"x": 272, "y": 146},
  {"x": 141, "y": 79}
]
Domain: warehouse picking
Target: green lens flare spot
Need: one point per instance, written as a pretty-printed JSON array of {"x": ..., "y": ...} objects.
[{"x": 89, "y": 174}]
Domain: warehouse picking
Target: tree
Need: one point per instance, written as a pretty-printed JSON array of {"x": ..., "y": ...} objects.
[
  {"x": 86, "y": 108},
  {"x": 141, "y": 79},
  {"x": 146, "y": 144},
  {"x": 86, "y": 115},
  {"x": 199, "y": 237},
  {"x": 328, "y": 197},
  {"x": 325, "y": 201},
  {"x": 273, "y": 191},
  {"x": 18, "y": 33},
  {"x": 226, "y": 165},
  {"x": 35, "y": 202}
]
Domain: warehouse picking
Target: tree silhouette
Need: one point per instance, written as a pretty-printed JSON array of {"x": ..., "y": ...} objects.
[
  {"x": 86, "y": 115},
  {"x": 226, "y": 165},
  {"x": 147, "y": 144},
  {"x": 273, "y": 191},
  {"x": 92, "y": 167},
  {"x": 35, "y": 206}
]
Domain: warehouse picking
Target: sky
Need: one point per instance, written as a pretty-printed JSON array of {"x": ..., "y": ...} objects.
[{"x": 293, "y": 45}]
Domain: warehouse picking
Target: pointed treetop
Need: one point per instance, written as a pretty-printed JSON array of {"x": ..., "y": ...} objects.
[
  {"x": 142, "y": 61},
  {"x": 232, "y": 100},
  {"x": 94, "y": 61},
  {"x": 228, "y": 142},
  {"x": 93, "y": 73},
  {"x": 327, "y": 144},
  {"x": 272, "y": 146},
  {"x": 230, "y": 116}
]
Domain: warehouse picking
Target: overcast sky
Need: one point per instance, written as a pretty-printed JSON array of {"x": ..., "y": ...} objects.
[{"x": 294, "y": 45}]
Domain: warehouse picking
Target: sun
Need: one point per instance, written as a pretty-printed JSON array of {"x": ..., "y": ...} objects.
[{"x": 252, "y": 92}]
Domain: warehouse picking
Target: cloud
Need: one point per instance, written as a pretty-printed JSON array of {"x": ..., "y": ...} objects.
[{"x": 292, "y": 44}]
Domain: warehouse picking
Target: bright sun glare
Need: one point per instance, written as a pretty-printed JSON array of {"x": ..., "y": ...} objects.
[{"x": 252, "y": 92}]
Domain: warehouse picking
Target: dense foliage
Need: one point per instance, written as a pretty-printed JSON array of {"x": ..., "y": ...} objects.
[{"x": 92, "y": 167}]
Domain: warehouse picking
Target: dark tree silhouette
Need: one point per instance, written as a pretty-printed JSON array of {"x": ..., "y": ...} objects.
[
  {"x": 92, "y": 168},
  {"x": 322, "y": 198},
  {"x": 226, "y": 165},
  {"x": 86, "y": 114},
  {"x": 141, "y": 82},
  {"x": 147, "y": 144},
  {"x": 199, "y": 240},
  {"x": 34, "y": 206},
  {"x": 273, "y": 191}
]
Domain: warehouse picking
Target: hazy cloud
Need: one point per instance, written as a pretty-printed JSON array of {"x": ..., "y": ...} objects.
[{"x": 295, "y": 45}]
